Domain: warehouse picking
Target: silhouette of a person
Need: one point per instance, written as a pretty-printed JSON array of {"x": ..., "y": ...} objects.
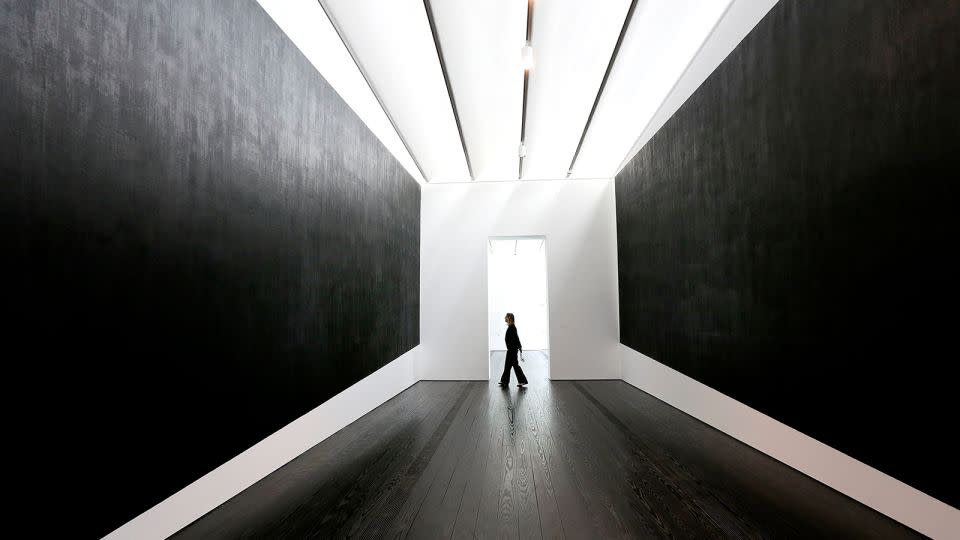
[{"x": 513, "y": 346}]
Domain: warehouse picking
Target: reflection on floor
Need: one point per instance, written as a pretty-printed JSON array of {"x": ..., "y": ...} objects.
[{"x": 574, "y": 459}]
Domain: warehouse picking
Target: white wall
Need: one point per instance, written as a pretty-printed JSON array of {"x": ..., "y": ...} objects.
[
  {"x": 843, "y": 473},
  {"x": 241, "y": 472},
  {"x": 577, "y": 218}
]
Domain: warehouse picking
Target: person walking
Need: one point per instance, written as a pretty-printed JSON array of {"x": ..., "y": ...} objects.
[{"x": 513, "y": 346}]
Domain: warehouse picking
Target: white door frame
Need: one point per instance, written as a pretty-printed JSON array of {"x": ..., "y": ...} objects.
[{"x": 546, "y": 284}]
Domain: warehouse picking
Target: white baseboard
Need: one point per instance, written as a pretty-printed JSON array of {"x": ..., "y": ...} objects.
[
  {"x": 857, "y": 480},
  {"x": 219, "y": 485}
]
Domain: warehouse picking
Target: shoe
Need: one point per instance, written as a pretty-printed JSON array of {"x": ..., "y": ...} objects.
[{"x": 521, "y": 386}]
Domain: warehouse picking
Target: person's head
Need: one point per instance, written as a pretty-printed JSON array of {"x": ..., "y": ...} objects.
[{"x": 509, "y": 318}]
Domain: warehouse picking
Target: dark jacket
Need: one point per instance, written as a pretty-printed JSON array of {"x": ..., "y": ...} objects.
[{"x": 512, "y": 339}]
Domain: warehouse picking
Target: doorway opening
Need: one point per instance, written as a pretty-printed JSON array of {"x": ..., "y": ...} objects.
[{"x": 517, "y": 283}]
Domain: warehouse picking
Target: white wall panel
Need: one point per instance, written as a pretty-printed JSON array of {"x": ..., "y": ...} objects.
[{"x": 577, "y": 218}]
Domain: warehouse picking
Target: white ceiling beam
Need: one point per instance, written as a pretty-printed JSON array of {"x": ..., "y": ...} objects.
[
  {"x": 446, "y": 79},
  {"x": 572, "y": 44},
  {"x": 603, "y": 83},
  {"x": 392, "y": 43},
  {"x": 481, "y": 42}
]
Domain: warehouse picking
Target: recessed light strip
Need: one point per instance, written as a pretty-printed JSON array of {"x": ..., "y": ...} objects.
[
  {"x": 526, "y": 84},
  {"x": 336, "y": 26},
  {"x": 666, "y": 98},
  {"x": 603, "y": 84},
  {"x": 446, "y": 80}
]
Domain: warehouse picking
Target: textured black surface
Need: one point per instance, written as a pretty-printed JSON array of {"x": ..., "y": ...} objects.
[
  {"x": 561, "y": 459},
  {"x": 201, "y": 241},
  {"x": 787, "y": 237}
]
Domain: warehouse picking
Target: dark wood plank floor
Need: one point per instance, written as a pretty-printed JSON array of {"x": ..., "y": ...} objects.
[{"x": 563, "y": 459}]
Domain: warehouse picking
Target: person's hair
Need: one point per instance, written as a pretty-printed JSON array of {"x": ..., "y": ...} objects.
[{"x": 510, "y": 316}]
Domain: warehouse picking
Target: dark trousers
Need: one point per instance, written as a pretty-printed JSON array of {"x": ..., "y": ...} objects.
[{"x": 512, "y": 362}]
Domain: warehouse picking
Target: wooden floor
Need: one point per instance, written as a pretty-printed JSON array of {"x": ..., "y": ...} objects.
[{"x": 574, "y": 459}]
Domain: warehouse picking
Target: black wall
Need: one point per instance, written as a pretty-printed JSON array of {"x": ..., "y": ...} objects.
[
  {"x": 201, "y": 242},
  {"x": 789, "y": 236}
]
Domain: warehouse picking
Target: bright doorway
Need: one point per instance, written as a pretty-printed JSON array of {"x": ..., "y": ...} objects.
[{"x": 517, "y": 283}]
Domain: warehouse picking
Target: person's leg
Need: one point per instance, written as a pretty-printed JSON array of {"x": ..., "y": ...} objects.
[
  {"x": 521, "y": 378},
  {"x": 505, "y": 378}
]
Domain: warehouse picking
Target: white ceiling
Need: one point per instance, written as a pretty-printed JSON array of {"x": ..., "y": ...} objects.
[
  {"x": 481, "y": 44},
  {"x": 573, "y": 42},
  {"x": 392, "y": 43}
]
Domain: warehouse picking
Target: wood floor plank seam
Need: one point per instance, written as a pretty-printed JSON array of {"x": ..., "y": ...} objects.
[
  {"x": 670, "y": 484},
  {"x": 462, "y": 468},
  {"x": 359, "y": 519},
  {"x": 490, "y": 490},
  {"x": 391, "y": 460},
  {"x": 451, "y": 438},
  {"x": 483, "y": 469},
  {"x": 558, "y": 468},
  {"x": 582, "y": 486},
  {"x": 598, "y": 474},
  {"x": 396, "y": 496},
  {"x": 626, "y": 390},
  {"x": 668, "y": 473},
  {"x": 549, "y": 506}
]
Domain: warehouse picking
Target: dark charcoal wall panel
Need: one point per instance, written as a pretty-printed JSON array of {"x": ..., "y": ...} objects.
[
  {"x": 788, "y": 236},
  {"x": 201, "y": 242}
]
